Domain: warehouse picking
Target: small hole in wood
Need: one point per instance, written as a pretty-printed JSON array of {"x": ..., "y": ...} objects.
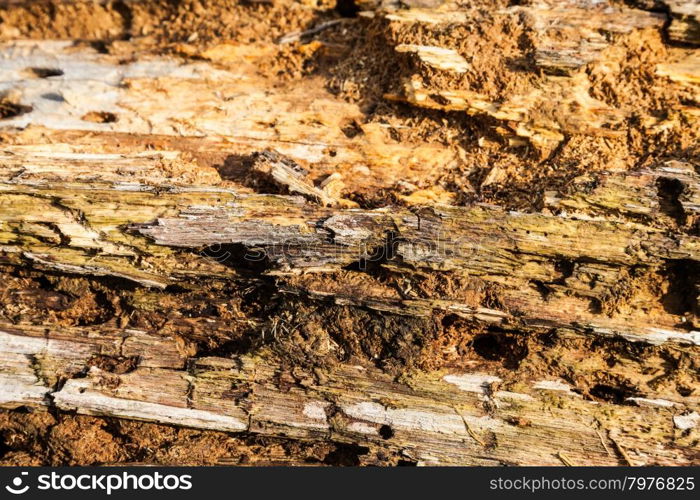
[
  {"x": 53, "y": 96},
  {"x": 99, "y": 117},
  {"x": 351, "y": 129},
  {"x": 386, "y": 432},
  {"x": 43, "y": 72}
]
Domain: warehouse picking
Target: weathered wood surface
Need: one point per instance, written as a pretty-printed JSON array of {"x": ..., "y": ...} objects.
[
  {"x": 82, "y": 217},
  {"x": 568, "y": 36},
  {"x": 430, "y": 419},
  {"x": 231, "y": 110},
  {"x": 86, "y": 215},
  {"x": 610, "y": 262}
]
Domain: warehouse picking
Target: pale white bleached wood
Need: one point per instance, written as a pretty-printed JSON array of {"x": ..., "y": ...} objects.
[
  {"x": 478, "y": 383},
  {"x": 437, "y": 57},
  {"x": 661, "y": 403},
  {"x": 650, "y": 335},
  {"x": 554, "y": 385},
  {"x": 687, "y": 422},
  {"x": 78, "y": 395}
]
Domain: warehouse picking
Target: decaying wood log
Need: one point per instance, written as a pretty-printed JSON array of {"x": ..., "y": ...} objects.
[
  {"x": 567, "y": 36},
  {"x": 227, "y": 111},
  {"x": 203, "y": 244},
  {"x": 449, "y": 419},
  {"x": 102, "y": 224}
]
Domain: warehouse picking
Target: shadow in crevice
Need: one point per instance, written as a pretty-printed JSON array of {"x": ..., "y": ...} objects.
[
  {"x": 615, "y": 394},
  {"x": 236, "y": 167},
  {"x": 239, "y": 168},
  {"x": 237, "y": 256},
  {"x": 508, "y": 349},
  {"x": 347, "y": 8},
  {"x": 347, "y": 455},
  {"x": 669, "y": 193},
  {"x": 4, "y": 448},
  {"x": 681, "y": 296}
]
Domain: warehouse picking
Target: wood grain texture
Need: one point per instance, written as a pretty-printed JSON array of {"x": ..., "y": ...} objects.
[
  {"x": 182, "y": 247},
  {"x": 109, "y": 226},
  {"x": 459, "y": 418}
]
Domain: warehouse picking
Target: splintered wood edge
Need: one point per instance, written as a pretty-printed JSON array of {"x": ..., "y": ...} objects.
[{"x": 94, "y": 226}]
